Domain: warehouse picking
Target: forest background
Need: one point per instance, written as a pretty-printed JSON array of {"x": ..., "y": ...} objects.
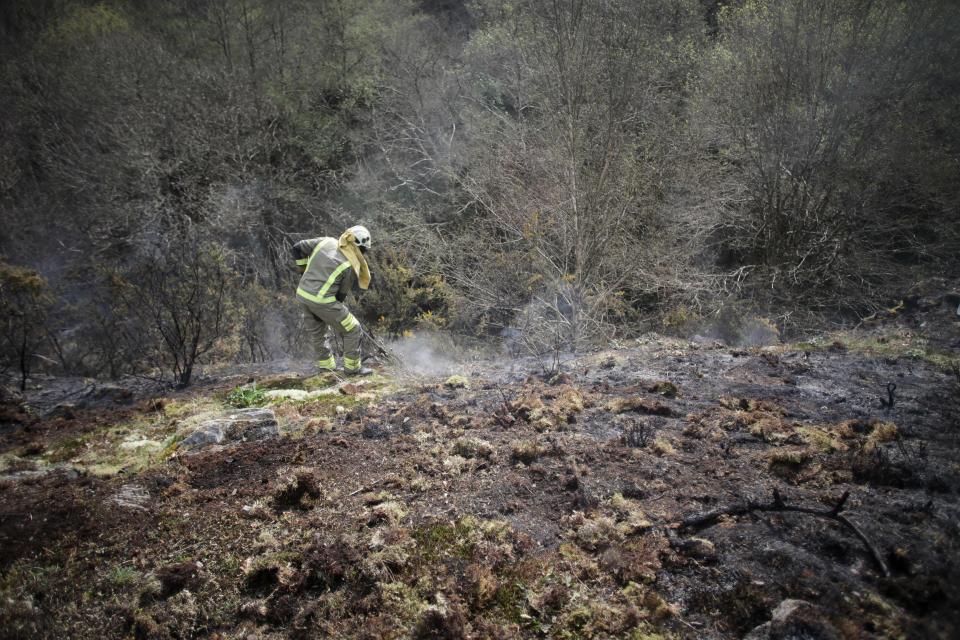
[{"x": 552, "y": 173}]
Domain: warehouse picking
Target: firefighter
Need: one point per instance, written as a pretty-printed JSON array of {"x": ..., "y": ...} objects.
[{"x": 330, "y": 267}]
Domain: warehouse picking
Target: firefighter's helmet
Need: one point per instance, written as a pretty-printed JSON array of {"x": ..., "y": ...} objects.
[{"x": 361, "y": 236}]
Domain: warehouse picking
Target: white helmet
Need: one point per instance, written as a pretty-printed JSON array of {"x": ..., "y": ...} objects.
[{"x": 362, "y": 236}]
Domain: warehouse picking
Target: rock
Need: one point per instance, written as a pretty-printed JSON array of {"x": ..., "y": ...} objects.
[
  {"x": 252, "y": 424},
  {"x": 240, "y": 425},
  {"x": 207, "y": 433},
  {"x": 795, "y": 620}
]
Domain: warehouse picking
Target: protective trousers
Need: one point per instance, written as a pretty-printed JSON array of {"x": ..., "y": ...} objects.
[{"x": 318, "y": 317}]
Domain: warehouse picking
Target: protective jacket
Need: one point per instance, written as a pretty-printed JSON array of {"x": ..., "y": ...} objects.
[{"x": 327, "y": 277}]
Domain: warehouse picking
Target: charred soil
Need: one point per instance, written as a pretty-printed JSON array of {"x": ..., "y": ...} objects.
[{"x": 666, "y": 489}]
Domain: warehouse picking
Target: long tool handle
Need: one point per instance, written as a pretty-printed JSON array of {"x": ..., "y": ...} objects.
[{"x": 381, "y": 350}]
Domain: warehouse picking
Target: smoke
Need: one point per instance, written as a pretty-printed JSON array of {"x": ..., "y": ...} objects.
[{"x": 426, "y": 355}]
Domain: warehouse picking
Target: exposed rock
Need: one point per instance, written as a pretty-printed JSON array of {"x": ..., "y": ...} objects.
[
  {"x": 236, "y": 426},
  {"x": 211, "y": 432}
]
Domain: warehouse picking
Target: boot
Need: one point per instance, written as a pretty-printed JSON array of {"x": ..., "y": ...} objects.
[{"x": 362, "y": 371}]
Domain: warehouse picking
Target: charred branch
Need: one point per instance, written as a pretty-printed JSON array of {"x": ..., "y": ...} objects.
[{"x": 701, "y": 521}]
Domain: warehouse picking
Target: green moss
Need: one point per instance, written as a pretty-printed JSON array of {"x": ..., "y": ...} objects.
[
  {"x": 66, "y": 450},
  {"x": 401, "y": 600},
  {"x": 321, "y": 381},
  {"x": 178, "y": 409},
  {"x": 330, "y": 402},
  {"x": 440, "y": 541},
  {"x": 120, "y": 577},
  {"x": 510, "y": 601}
]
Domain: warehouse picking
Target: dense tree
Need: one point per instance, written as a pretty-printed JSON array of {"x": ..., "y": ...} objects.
[{"x": 561, "y": 170}]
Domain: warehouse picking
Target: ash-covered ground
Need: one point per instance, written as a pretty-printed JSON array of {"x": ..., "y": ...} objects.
[{"x": 664, "y": 489}]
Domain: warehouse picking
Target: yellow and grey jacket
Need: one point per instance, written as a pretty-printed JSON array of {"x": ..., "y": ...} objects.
[{"x": 327, "y": 277}]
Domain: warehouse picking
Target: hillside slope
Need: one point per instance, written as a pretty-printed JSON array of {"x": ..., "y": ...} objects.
[{"x": 648, "y": 491}]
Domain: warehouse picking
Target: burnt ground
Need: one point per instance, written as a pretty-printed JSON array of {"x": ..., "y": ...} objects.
[{"x": 523, "y": 506}]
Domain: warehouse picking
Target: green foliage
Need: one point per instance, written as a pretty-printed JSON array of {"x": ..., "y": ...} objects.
[
  {"x": 243, "y": 397},
  {"x": 402, "y": 299}
]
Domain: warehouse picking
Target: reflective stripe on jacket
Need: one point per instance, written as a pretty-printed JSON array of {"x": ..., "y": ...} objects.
[{"x": 328, "y": 276}]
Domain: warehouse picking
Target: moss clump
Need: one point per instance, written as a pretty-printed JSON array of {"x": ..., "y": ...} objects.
[
  {"x": 525, "y": 451},
  {"x": 629, "y": 516},
  {"x": 663, "y": 447},
  {"x": 509, "y": 601},
  {"x": 881, "y": 432},
  {"x": 787, "y": 463},
  {"x": 448, "y": 540},
  {"x": 665, "y": 388},
  {"x": 456, "y": 382},
  {"x": 401, "y": 600},
  {"x": 472, "y": 448},
  {"x": 791, "y": 457},
  {"x": 597, "y": 534},
  {"x": 389, "y": 512},
  {"x": 821, "y": 439}
]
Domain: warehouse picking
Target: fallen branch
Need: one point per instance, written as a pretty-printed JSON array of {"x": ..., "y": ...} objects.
[{"x": 704, "y": 520}]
